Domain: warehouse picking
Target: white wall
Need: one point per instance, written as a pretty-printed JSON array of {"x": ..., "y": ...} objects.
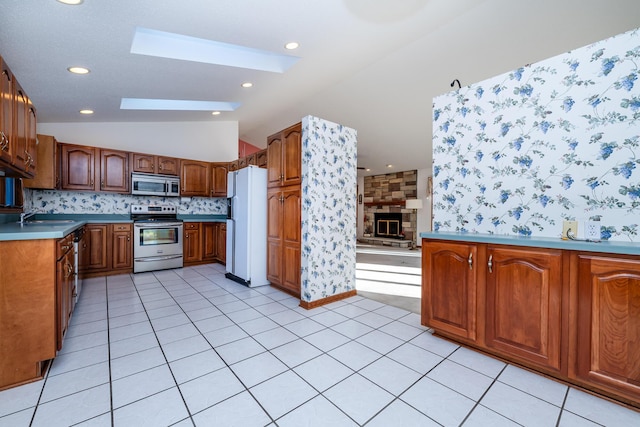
[
  {"x": 208, "y": 141},
  {"x": 424, "y": 214}
]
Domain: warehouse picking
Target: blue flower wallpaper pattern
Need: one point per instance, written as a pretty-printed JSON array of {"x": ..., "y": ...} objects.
[
  {"x": 71, "y": 202},
  {"x": 328, "y": 211},
  {"x": 559, "y": 139}
]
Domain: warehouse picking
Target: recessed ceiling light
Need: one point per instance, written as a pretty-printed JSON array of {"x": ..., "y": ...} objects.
[
  {"x": 389, "y": 166},
  {"x": 78, "y": 70},
  {"x": 246, "y": 84},
  {"x": 368, "y": 170},
  {"x": 292, "y": 45},
  {"x": 176, "y": 105},
  {"x": 177, "y": 46},
  {"x": 86, "y": 111},
  {"x": 215, "y": 113},
  {"x": 71, "y": 2}
]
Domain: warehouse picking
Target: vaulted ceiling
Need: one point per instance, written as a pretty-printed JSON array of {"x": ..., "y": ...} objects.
[{"x": 373, "y": 65}]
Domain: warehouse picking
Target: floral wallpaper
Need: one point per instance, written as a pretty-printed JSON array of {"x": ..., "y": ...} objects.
[
  {"x": 559, "y": 139},
  {"x": 70, "y": 202},
  {"x": 329, "y": 185}
]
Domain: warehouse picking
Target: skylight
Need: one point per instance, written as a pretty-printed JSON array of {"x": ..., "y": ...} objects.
[
  {"x": 176, "y": 105},
  {"x": 177, "y": 46}
]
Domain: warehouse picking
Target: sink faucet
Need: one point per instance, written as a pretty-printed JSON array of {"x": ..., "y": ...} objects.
[{"x": 25, "y": 215}]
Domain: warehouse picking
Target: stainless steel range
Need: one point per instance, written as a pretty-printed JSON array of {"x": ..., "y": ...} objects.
[{"x": 157, "y": 236}]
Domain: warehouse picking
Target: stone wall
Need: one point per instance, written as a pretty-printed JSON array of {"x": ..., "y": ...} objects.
[{"x": 381, "y": 192}]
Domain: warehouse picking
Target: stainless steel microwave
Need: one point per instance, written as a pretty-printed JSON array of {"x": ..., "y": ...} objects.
[{"x": 155, "y": 185}]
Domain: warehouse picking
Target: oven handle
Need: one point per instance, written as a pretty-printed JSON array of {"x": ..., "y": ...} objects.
[
  {"x": 157, "y": 258},
  {"x": 158, "y": 224}
]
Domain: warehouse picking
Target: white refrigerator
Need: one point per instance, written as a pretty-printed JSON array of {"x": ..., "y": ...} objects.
[{"x": 247, "y": 226}]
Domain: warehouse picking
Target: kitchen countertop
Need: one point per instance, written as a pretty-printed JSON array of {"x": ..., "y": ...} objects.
[{"x": 626, "y": 248}]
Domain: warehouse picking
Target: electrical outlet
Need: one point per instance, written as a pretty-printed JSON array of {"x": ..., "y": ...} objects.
[
  {"x": 592, "y": 230},
  {"x": 569, "y": 230}
]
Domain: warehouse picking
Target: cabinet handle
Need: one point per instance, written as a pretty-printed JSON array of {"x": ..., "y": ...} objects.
[
  {"x": 490, "y": 263},
  {"x": 470, "y": 261},
  {"x": 92, "y": 182},
  {"x": 65, "y": 248}
]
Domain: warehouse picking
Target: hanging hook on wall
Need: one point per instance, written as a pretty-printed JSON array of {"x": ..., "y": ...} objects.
[{"x": 454, "y": 82}]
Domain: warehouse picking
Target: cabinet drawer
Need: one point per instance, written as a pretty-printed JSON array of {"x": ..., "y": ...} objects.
[
  {"x": 191, "y": 225},
  {"x": 64, "y": 245},
  {"x": 122, "y": 227}
]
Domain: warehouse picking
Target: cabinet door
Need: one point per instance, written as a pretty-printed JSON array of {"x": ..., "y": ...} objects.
[
  {"x": 274, "y": 236},
  {"x": 219, "y": 179},
  {"x": 47, "y": 176},
  {"x": 221, "y": 245},
  {"x": 291, "y": 162},
  {"x": 449, "y": 282},
  {"x": 261, "y": 158},
  {"x": 608, "y": 323},
  {"x": 32, "y": 141},
  {"x": 168, "y": 165},
  {"x": 96, "y": 253},
  {"x": 243, "y": 162},
  {"x": 20, "y": 154},
  {"x": 145, "y": 163},
  {"x": 274, "y": 161},
  {"x": 291, "y": 239},
  {"x": 122, "y": 247},
  {"x": 209, "y": 241},
  {"x": 192, "y": 246},
  {"x": 194, "y": 178},
  {"x": 6, "y": 114},
  {"x": 114, "y": 171},
  {"x": 78, "y": 166},
  {"x": 523, "y": 303}
]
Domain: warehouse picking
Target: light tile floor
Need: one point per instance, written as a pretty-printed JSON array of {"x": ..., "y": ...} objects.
[{"x": 188, "y": 347}]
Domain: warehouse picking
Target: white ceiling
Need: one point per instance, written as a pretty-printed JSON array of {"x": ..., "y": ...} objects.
[{"x": 373, "y": 65}]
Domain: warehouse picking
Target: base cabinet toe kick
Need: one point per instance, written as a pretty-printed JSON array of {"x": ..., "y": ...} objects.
[{"x": 573, "y": 315}]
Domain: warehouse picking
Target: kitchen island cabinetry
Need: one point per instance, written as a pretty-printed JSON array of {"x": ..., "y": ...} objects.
[
  {"x": 29, "y": 304},
  {"x": 607, "y": 327},
  {"x": 194, "y": 178},
  {"x": 565, "y": 309}
]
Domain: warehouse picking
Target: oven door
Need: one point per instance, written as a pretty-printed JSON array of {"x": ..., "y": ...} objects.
[{"x": 157, "y": 239}]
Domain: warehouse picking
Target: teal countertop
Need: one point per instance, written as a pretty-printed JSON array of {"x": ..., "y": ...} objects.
[
  {"x": 203, "y": 218},
  {"x": 626, "y": 248}
]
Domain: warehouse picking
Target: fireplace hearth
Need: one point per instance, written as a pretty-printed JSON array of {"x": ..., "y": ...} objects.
[{"x": 388, "y": 225}]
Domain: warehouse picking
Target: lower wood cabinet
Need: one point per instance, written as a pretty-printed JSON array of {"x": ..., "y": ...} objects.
[
  {"x": 283, "y": 238},
  {"x": 205, "y": 242},
  {"x": 569, "y": 314},
  {"x": 108, "y": 249},
  {"x": 607, "y": 327},
  {"x": 65, "y": 287}
]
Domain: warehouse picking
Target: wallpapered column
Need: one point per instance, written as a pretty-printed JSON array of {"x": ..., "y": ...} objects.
[
  {"x": 559, "y": 139},
  {"x": 329, "y": 182}
]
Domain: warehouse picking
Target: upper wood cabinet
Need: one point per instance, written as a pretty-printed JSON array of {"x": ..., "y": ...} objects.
[
  {"x": 148, "y": 163},
  {"x": 7, "y": 127},
  {"x": 219, "y": 179},
  {"x": 77, "y": 167},
  {"x": 114, "y": 171},
  {"x": 194, "y": 178},
  {"x": 607, "y": 326},
  {"x": 449, "y": 283},
  {"x": 283, "y": 157},
  {"x": 523, "y": 309},
  {"x": 261, "y": 158},
  {"x": 47, "y": 170},
  {"x": 94, "y": 169}
]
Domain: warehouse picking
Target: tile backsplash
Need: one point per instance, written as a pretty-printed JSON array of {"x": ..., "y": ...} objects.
[{"x": 70, "y": 202}]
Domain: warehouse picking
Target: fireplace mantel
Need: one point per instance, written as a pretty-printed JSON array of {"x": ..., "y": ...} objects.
[{"x": 386, "y": 203}]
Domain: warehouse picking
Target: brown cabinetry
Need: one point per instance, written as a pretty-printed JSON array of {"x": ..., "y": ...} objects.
[
  {"x": 77, "y": 167},
  {"x": 283, "y": 238},
  {"x": 114, "y": 171},
  {"x": 607, "y": 326},
  {"x": 283, "y": 157},
  {"x": 192, "y": 247},
  {"x": 65, "y": 289},
  {"x": 7, "y": 128},
  {"x": 261, "y": 158},
  {"x": 47, "y": 171},
  {"x": 219, "y": 179},
  {"x": 107, "y": 249},
  {"x": 148, "y": 163},
  {"x": 450, "y": 280},
  {"x": 523, "y": 304},
  {"x": 194, "y": 178},
  {"x": 221, "y": 243}
]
